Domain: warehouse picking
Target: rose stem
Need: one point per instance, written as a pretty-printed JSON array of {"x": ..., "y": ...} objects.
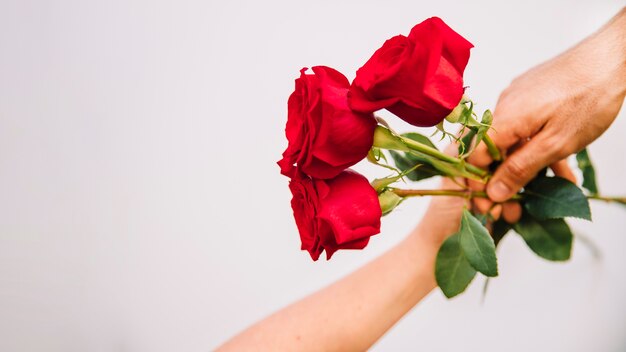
[
  {"x": 445, "y": 192},
  {"x": 479, "y": 194},
  {"x": 417, "y": 146},
  {"x": 621, "y": 200},
  {"x": 491, "y": 148},
  {"x": 384, "y": 138}
]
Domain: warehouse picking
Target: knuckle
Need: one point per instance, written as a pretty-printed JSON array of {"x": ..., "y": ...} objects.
[
  {"x": 516, "y": 169},
  {"x": 556, "y": 147}
]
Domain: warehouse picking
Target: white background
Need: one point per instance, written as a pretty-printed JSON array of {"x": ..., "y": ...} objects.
[{"x": 141, "y": 208}]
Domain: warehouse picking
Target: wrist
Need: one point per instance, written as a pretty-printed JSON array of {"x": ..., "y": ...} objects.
[
  {"x": 430, "y": 233},
  {"x": 441, "y": 220}
]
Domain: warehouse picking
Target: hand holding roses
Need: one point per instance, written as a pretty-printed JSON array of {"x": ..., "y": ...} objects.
[{"x": 419, "y": 78}]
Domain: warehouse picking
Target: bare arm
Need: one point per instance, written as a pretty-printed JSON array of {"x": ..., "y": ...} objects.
[
  {"x": 553, "y": 111},
  {"x": 557, "y": 108},
  {"x": 353, "y": 313}
]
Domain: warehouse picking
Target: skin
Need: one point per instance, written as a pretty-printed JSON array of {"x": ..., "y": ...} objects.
[
  {"x": 554, "y": 110},
  {"x": 354, "y": 312},
  {"x": 546, "y": 114}
]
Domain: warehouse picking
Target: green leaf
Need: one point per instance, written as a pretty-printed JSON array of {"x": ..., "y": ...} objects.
[
  {"x": 499, "y": 228},
  {"x": 555, "y": 197},
  {"x": 477, "y": 245},
  {"x": 483, "y": 218},
  {"x": 452, "y": 270},
  {"x": 550, "y": 239},
  {"x": 589, "y": 173},
  {"x": 407, "y": 161},
  {"x": 542, "y": 173},
  {"x": 430, "y": 166}
]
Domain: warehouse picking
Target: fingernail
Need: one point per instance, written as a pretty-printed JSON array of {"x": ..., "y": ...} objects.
[{"x": 498, "y": 191}]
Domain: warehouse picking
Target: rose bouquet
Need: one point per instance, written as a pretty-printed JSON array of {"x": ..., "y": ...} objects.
[{"x": 419, "y": 78}]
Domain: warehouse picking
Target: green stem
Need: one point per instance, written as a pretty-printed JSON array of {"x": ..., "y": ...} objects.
[
  {"x": 491, "y": 148},
  {"x": 428, "y": 150},
  {"x": 385, "y": 139},
  {"x": 621, "y": 200},
  {"x": 445, "y": 192},
  {"x": 479, "y": 194},
  {"x": 414, "y": 145}
]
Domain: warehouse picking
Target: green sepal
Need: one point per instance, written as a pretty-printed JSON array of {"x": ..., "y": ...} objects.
[
  {"x": 485, "y": 125},
  {"x": 380, "y": 184},
  {"x": 375, "y": 155},
  {"x": 455, "y": 115},
  {"x": 465, "y": 144},
  {"x": 384, "y": 138},
  {"x": 467, "y": 116},
  {"x": 389, "y": 201}
]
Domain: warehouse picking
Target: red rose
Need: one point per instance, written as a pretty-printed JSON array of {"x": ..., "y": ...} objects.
[
  {"x": 338, "y": 213},
  {"x": 325, "y": 136},
  {"x": 419, "y": 78}
]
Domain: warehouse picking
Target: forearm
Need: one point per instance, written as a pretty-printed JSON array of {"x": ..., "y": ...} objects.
[
  {"x": 353, "y": 313},
  {"x": 617, "y": 35},
  {"x": 603, "y": 56},
  {"x": 601, "y": 83}
]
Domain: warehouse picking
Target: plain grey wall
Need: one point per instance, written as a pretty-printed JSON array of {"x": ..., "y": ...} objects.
[{"x": 141, "y": 208}]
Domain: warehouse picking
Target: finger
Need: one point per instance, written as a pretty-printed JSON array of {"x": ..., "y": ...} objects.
[
  {"x": 561, "y": 168},
  {"x": 452, "y": 149},
  {"x": 521, "y": 166},
  {"x": 496, "y": 211},
  {"x": 510, "y": 126},
  {"x": 480, "y": 156},
  {"x": 476, "y": 185},
  {"x": 458, "y": 183},
  {"x": 506, "y": 131},
  {"x": 482, "y": 205},
  {"x": 511, "y": 212}
]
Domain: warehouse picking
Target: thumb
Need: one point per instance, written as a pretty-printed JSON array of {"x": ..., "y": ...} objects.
[{"x": 522, "y": 166}]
